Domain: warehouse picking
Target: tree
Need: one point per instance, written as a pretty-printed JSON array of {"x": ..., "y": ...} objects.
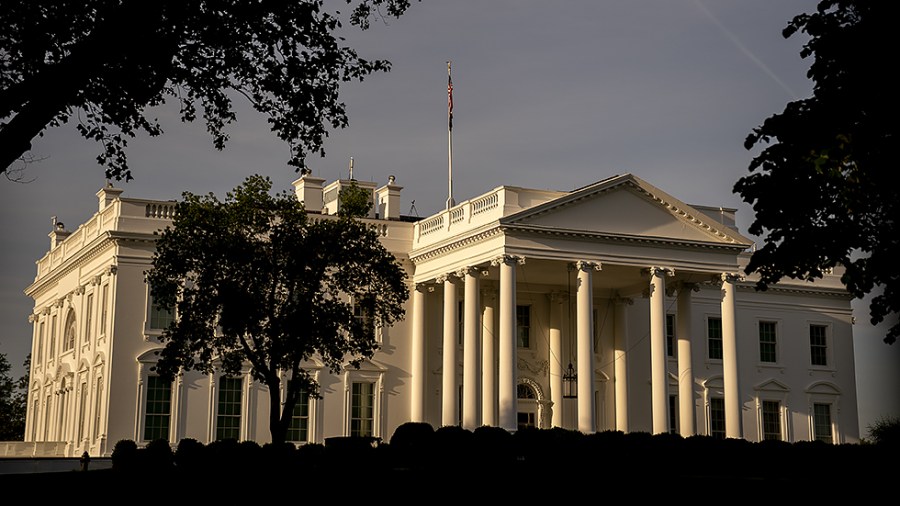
[
  {"x": 106, "y": 62},
  {"x": 13, "y": 398},
  {"x": 822, "y": 187},
  {"x": 255, "y": 281}
]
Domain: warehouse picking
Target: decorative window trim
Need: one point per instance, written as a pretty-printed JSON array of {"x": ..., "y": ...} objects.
[
  {"x": 706, "y": 349},
  {"x": 369, "y": 372},
  {"x": 829, "y": 345},
  {"x": 777, "y": 324},
  {"x": 712, "y": 387},
  {"x": 824, "y": 392},
  {"x": 773, "y": 390},
  {"x": 243, "y": 430},
  {"x": 146, "y": 362},
  {"x": 313, "y": 428}
]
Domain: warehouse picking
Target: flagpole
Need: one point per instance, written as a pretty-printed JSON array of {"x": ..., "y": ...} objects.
[{"x": 450, "y": 202}]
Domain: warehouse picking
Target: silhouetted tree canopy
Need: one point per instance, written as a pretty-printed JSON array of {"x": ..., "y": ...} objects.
[
  {"x": 13, "y": 401},
  {"x": 822, "y": 187},
  {"x": 256, "y": 282},
  {"x": 106, "y": 62}
]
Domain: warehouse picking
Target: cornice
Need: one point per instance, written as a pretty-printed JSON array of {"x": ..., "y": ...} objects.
[
  {"x": 621, "y": 238},
  {"x": 444, "y": 248},
  {"x": 836, "y": 293},
  {"x": 93, "y": 249}
]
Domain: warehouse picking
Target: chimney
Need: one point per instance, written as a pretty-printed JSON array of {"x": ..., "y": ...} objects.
[
  {"x": 58, "y": 234},
  {"x": 309, "y": 191},
  {"x": 107, "y": 194},
  {"x": 389, "y": 200}
]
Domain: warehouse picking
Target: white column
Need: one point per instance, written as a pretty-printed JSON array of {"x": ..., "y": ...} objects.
[
  {"x": 621, "y": 370},
  {"x": 417, "y": 369},
  {"x": 585, "y": 345},
  {"x": 556, "y": 358},
  {"x": 471, "y": 365},
  {"x": 729, "y": 359},
  {"x": 449, "y": 388},
  {"x": 507, "y": 349},
  {"x": 685, "y": 367},
  {"x": 488, "y": 360},
  {"x": 659, "y": 392}
]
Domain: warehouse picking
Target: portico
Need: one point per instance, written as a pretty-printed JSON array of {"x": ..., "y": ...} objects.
[{"x": 524, "y": 291}]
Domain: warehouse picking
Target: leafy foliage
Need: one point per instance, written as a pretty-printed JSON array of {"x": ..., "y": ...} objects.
[
  {"x": 13, "y": 401},
  {"x": 108, "y": 61},
  {"x": 822, "y": 187},
  {"x": 255, "y": 281},
  {"x": 355, "y": 201}
]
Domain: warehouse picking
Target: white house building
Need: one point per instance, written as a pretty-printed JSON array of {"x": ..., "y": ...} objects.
[{"x": 611, "y": 307}]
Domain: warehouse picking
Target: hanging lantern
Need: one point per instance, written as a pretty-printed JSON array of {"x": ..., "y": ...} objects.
[{"x": 570, "y": 382}]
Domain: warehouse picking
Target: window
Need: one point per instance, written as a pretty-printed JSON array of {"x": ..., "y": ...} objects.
[
  {"x": 822, "y": 423},
  {"x": 818, "y": 345},
  {"x": 460, "y": 322},
  {"x": 47, "y": 407},
  {"x": 298, "y": 431},
  {"x": 158, "y": 409},
  {"x": 51, "y": 351},
  {"x": 89, "y": 309},
  {"x": 70, "y": 331},
  {"x": 98, "y": 401},
  {"x": 767, "y": 344},
  {"x": 771, "y": 420},
  {"x": 160, "y": 317},
  {"x": 673, "y": 414},
  {"x": 63, "y": 411},
  {"x": 82, "y": 409},
  {"x": 670, "y": 335},
  {"x": 40, "y": 343},
  {"x": 35, "y": 405},
  {"x": 104, "y": 302},
  {"x": 228, "y": 416},
  {"x": 717, "y": 417},
  {"x": 362, "y": 409},
  {"x": 714, "y": 337},
  {"x": 527, "y": 406},
  {"x": 523, "y": 326}
]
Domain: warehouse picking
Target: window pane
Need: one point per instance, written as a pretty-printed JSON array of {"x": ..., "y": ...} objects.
[
  {"x": 818, "y": 346},
  {"x": 714, "y": 334},
  {"x": 299, "y": 428},
  {"x": 228, "y": 419},
  {"x": 771, "y": 420},
  {"x": 767, "y": 342},
  {"x": 670, "y": 335},
  {"x": 159, "y": 406},
  {"x": 822, "y": 422},
  {"x": 362, "y": 409},
  {"x": 673, "y": 414},
  {"x": 160, "y": 317},
  {"x": 717, "y": 417},
  {"x": 523, "y": 326}
]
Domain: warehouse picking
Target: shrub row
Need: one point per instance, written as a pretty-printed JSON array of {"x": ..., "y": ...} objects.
[{"x": 418, "y": 447}]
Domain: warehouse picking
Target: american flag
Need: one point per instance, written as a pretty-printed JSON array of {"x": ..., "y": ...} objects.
[{"x": 450, "y": 101}]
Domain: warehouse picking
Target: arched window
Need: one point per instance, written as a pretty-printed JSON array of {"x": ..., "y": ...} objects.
[
  {"x": 70, "y": 330},
  {"x": 527, "y": 406}
]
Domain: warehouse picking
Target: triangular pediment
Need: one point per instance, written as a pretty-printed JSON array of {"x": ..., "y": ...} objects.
[{"x": 626, "y": 206}]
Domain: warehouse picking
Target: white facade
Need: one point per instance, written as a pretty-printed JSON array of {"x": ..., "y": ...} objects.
[{"x": 641, "y": 293}]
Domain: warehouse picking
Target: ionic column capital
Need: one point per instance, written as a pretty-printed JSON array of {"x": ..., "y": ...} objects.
[
  {"x": 586, "y": 266},
  {"x": 444, "y": 278},
  {"x": 731, "y": 277},
  {"x": 659, "y": 271},
  {"x": 508, "y": 260},
  {"x": 467, "y": 271}
]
